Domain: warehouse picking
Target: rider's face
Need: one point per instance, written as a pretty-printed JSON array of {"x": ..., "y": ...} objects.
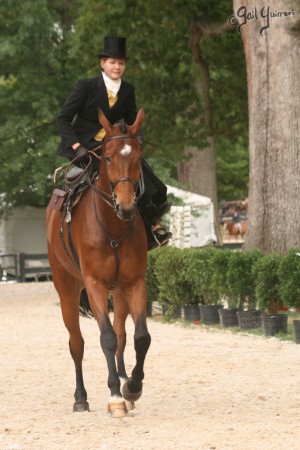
[{"x": 114, "y": 68}]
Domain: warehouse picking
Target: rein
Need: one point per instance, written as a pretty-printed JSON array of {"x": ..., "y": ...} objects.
[
  {"x": 111, "y": 201},
  {"x": 114, "y": 243}
]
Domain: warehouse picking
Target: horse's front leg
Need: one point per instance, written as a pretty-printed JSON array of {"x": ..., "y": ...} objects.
[
  {"x": 108, "y": 342},
  {"x": 132, "y": 389},
  {"x": 121, "y": 311}
]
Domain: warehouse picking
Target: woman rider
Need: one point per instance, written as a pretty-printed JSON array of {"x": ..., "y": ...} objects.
[{"x": 80, "y": 130}]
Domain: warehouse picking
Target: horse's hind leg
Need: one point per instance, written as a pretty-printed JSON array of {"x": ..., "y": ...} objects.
[
  {"x": 70, "y": 313},
  {"x": 69, "y": 292}
]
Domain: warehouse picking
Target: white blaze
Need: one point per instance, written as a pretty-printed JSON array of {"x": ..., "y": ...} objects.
[{"x": 126, "y": 150}]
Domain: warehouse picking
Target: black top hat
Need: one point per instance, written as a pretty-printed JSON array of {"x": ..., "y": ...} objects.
[{"x": 114, "y": 47}]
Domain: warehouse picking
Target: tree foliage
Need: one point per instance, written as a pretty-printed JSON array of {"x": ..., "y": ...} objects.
[
  {"x": 45, "y": 49},
  {"x": 34, "y": 45}
]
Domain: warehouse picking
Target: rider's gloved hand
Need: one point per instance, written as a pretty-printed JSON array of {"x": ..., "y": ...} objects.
[{"x": 82, "y": 154}]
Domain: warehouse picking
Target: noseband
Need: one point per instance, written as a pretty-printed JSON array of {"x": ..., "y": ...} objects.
[{"x": 111, "y": 199}]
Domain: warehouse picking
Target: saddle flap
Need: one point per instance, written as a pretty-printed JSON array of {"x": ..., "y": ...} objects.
[{"x": 58, "y": 199}]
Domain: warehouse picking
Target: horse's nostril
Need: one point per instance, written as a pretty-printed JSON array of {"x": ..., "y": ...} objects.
[{"x": 124, "y": 213}]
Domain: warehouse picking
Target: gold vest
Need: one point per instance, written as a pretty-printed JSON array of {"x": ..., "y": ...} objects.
[{"x": 111, "y": 101}]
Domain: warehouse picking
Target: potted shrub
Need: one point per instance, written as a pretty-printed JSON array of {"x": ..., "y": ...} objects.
[
  {"x": 151, "y": 281},
  {"x": 240, "y": 290},
  {"x": 219, "y": 266},
  {"x": 166, "y": 270},
  {"x": 188, "y": 282},
  {"x": 268, "y": 294},
  {"x": 289, "y": 274},
  {"x": 241, "y": 280},
  {"x": 174, "y": 271},
  {"x": 203, "y": 272}
]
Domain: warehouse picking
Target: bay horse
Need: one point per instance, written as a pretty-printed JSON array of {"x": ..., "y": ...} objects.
[
  {"x": 236, "y": 229},
  {"x": 109, "y": 237}
]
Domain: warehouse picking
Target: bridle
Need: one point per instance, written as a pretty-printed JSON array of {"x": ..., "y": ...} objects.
[{"x": 110, "y": 199}]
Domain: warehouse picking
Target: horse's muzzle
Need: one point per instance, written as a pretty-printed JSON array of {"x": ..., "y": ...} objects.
[{"x": 125, "y": 213}]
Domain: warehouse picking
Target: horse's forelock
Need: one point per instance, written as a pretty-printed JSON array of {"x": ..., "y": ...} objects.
[{"x": 123, "y": 127}]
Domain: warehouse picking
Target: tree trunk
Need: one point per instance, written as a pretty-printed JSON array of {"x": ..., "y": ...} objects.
[
  {"x": 199, "y": 171},
  {"x": 273, "y": 68}
]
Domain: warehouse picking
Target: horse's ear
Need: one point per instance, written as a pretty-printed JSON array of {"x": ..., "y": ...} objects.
[
  {"x": 104, "y": 122},
  {"x": 135, "y": 128}
]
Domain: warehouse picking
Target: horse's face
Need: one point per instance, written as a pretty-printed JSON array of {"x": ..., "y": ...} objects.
[
  {"x": 122, "y": 155},
  {"x": 123, "y": 162}
]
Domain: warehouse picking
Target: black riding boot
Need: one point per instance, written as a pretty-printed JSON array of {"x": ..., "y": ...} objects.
[{"x": 157, "y": 235}]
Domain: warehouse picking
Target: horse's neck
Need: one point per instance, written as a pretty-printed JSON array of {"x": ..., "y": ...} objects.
[{"x": 106, "y": 213}]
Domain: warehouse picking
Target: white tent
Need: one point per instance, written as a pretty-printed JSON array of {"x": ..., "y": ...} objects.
[
  {"x": 24, "y": 231},
  {"x": 192, "y": 224}
]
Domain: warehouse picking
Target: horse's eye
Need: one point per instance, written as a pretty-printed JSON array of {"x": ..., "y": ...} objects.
[{"x": 107, "y": 159}]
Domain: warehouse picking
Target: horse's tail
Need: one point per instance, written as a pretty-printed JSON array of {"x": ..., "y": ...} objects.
[
  {"x": 85, "y": 309},
  {"x": 84, "y": 306}
]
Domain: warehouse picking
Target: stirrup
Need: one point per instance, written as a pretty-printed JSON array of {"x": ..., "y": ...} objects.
[{"x": 161, "y": 238}]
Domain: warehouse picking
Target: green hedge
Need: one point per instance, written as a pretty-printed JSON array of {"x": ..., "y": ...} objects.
[
  {"x": 289, "y": 275},
  {"x": 267, "y": 282},
  {"x": 248, "y": 280}
]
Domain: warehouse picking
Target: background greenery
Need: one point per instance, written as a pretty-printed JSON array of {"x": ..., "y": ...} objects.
[
  {"x": 45, "y": 46},
  {"x": 248, "y": 280}
]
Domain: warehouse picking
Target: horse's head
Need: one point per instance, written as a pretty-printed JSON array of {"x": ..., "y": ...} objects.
[{"x": 121, "y": 156}]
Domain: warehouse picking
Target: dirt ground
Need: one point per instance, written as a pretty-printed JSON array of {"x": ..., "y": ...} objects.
[{"x": 203, "y": 389}]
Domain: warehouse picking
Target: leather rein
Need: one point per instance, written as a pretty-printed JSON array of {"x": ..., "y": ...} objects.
[{"x": 111, "y": 201}]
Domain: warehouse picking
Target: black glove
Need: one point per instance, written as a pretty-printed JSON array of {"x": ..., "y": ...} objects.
[{"x": 82, "y": 154}]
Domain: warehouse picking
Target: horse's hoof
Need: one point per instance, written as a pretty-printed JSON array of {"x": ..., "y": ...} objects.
[
  {"x": 129, "y": 405},
  {"x": 117, "y": 410},
  {"x": 81, "y": 407},
  {"x": 131, "y": 396}
]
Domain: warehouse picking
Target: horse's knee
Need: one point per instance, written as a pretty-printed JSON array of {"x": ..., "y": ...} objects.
[
  {"x": 108, "y": 341},
  {"x": 108, "y": 337},
  {"x": 142, "y": 342},
  {"x": 142, "y": 338}
]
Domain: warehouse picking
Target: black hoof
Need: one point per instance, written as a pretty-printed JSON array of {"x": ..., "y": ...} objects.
[
  {"x": 131, "y": 396},
  {"x": 81, "y": 407}
]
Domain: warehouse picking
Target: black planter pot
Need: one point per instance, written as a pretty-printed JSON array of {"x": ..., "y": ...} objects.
[
  {"x": 174, "y": 313},
  {"x": 177, "y": 312},
  {"x": 191, "y": 313},
  {"x": 249, "y": 319},
  {"x": 209, "y": 314},
  {"x": 297, "y": 330},
  {"x": 228, "y": 317},
  {"x": 274, "y": 324}
]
